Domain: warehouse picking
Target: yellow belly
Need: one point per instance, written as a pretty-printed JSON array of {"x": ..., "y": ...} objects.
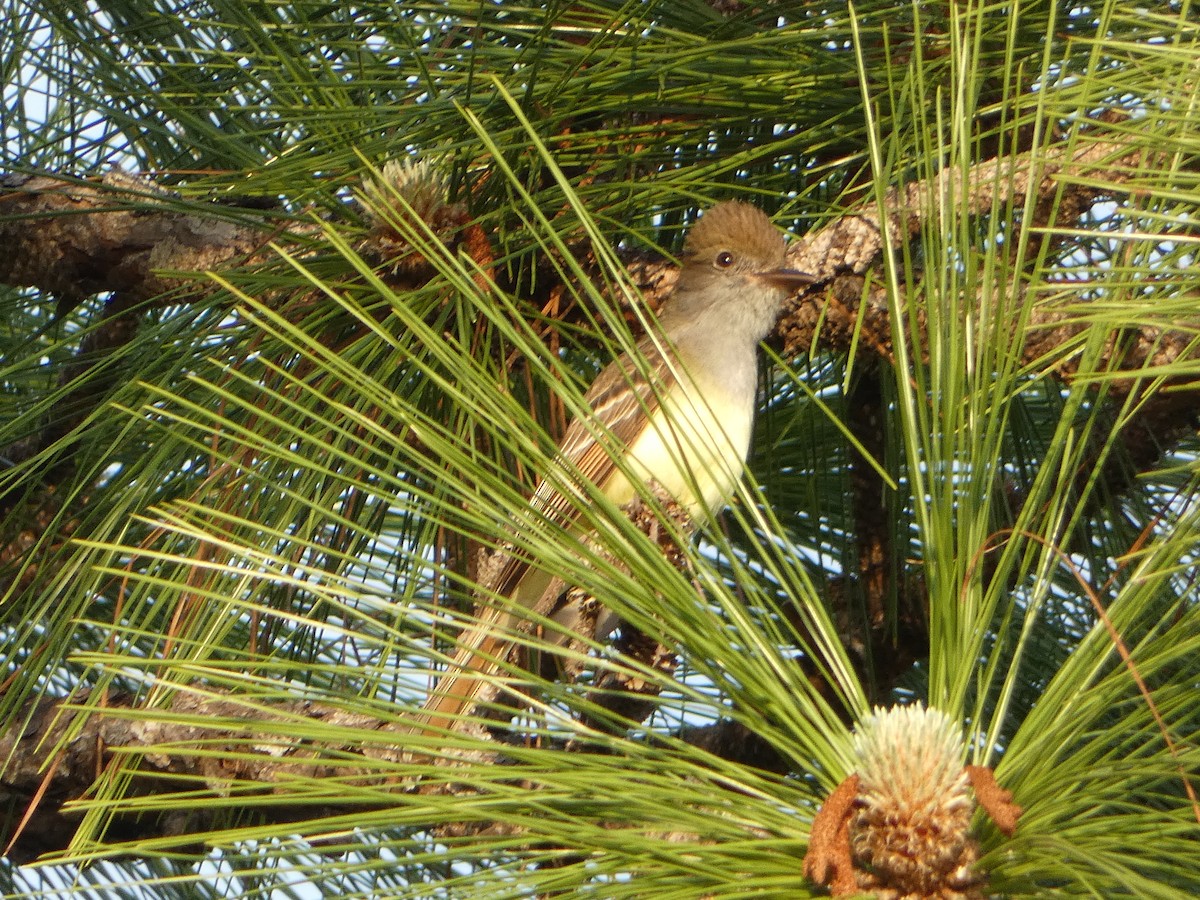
[{"x": 695, "y": 447}]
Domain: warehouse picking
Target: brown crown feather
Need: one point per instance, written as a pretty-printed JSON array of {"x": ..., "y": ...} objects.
[{"x": 738, "y": 226}]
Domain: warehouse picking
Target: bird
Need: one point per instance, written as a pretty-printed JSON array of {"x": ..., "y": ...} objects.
[{"x": 680, "y": 412}]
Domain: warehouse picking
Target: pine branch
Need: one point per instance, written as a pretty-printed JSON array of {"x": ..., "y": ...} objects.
[
  {"x": 227, "y": 742},
  {"x": 41, "y": 788}
]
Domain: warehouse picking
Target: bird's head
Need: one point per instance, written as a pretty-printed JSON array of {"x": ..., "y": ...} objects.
[{"x": 734, "y": 257}]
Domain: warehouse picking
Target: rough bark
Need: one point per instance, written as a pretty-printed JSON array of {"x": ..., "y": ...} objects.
[{"x": 38, "y": 788}]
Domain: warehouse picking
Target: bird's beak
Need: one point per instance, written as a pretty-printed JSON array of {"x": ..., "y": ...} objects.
[{"x": 791, "y": 279}]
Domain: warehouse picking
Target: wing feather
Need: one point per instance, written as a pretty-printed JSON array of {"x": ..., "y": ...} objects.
[{"x": 623, "y": 399}]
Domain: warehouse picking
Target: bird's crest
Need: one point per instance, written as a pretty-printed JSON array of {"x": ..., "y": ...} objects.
[{"x": 737, "y": 226}]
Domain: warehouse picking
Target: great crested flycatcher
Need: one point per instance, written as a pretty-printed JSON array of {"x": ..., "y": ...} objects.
[{"x": 686, "y": 426}]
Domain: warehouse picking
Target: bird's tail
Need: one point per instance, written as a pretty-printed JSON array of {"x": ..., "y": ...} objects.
[{"x": 473, "y": 673}]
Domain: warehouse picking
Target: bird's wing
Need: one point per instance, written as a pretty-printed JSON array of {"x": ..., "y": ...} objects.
[{"x": 622, "y": 399}]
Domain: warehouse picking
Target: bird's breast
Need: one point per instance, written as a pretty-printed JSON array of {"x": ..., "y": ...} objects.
[{"x": 695, "y": 444}]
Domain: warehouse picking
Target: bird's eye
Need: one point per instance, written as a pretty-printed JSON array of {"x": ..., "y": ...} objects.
[{"x": 724, "y": 259}]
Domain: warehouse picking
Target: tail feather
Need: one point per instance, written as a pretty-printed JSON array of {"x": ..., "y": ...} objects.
[
  {"x": 484, "y": 650},
  {"x": 479, "y": 659}
]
